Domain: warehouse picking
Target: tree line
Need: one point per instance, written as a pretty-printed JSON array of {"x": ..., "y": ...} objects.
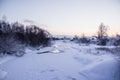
[{"x": 12, "y": 35}]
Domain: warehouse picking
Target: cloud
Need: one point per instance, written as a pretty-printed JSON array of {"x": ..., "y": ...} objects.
[{"x": 29, "y": 21}]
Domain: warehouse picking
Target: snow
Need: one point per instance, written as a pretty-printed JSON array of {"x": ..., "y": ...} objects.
[
  {"x": 2, "y": 74},
  {"x": 4, "y": 60},
  {"x": 72, "y": 62}
]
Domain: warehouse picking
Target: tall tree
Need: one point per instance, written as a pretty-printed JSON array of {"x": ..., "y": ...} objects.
[{"x": 102, "y": 31}]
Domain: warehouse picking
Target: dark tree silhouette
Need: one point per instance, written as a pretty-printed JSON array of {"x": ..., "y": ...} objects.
[
  {"x": 102, "y": 33},
  {"x": 15, "y": 34}
]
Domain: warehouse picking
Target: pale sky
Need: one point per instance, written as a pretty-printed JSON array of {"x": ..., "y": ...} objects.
[{"x": 69, "y": 17}]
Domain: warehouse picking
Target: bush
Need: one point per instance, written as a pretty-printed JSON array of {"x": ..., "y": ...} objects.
[
  {"x": 115, "y": 50},
  {"x": 8, "y": 45},
  {"x": 84, "y": 40},
  {"x": 14, "y": 36},
  {"x": 30, "y": 35},
  {"x": 117, "y": 42},
  {"x": 103, "y": 41},
  {"x": 35, "y": 36}
]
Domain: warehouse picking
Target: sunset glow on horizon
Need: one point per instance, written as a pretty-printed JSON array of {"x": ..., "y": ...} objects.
[{"x": 65, "y": 17}]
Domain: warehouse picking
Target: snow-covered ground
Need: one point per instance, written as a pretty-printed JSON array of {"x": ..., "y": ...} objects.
[{"x": 64, "y": 61}]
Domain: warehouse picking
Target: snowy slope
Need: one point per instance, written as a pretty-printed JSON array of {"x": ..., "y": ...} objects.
[{"x": 69, "y": 62}]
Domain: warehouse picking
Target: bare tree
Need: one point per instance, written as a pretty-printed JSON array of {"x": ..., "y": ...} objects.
[{"x": 102, "y": 31}]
